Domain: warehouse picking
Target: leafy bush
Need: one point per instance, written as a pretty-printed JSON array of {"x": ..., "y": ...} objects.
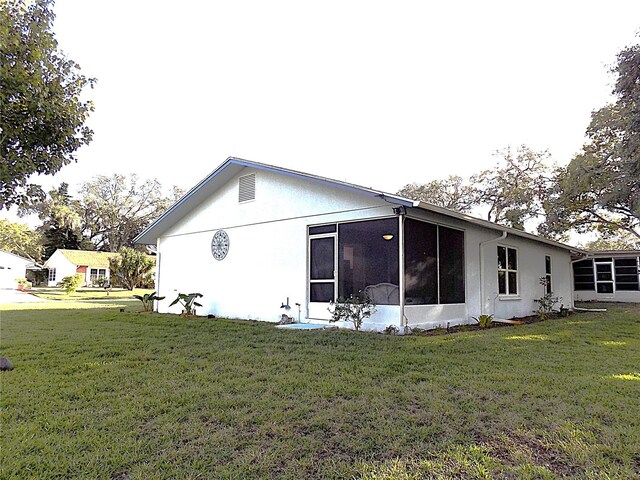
[
  {"x": 131, "y": 267},
  {"x": 391, "y": 330},
  {"x": 353, "y": 309},
  {"x": 188, "y": 302},
  {"x": 71, "y": 283},
  {"x": 147, "y": 300}
]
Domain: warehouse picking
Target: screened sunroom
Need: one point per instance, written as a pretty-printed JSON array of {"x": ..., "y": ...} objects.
[
  {"x": 398, "y": 262},
  {"x": 608, "y": 276}
]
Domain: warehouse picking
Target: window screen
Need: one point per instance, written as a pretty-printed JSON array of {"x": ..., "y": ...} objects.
[
  {"x": 368, "y": 257},
  {"x": 626, "y": 271},
  {"x": 434, "y": 264},
  {"x": 583, "y": 278}
]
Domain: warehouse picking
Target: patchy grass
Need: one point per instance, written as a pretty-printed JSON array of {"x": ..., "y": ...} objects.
[
  {"x": 102, "y": 394},
  {"x": 55, "y": 293}
]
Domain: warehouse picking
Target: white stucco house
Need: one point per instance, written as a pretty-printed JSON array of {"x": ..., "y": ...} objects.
[
  {"x": 253, "y": 237},
  {"x": 93, "y": 266},
  {"x": 12, "y": 268},
  {"x": 608, "y": 275}
]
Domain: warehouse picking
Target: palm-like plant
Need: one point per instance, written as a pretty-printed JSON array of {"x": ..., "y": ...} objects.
[
  {"x": 147, "y": 300},
  {"x": 188, "y": 302}
]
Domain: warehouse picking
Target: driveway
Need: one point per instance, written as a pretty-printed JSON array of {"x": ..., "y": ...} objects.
[{"x": 9, "y": 296}]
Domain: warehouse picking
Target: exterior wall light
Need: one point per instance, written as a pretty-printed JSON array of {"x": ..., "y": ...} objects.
[{"x": 387, "y": 236}]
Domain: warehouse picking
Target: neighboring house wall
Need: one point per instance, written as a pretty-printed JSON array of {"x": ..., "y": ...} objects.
[
  {"x": 268, "y": 257},
  {"x": 62, "y": 266},
  {"x": 610, "y": 277},
  {"x": 12, "y": 267}
]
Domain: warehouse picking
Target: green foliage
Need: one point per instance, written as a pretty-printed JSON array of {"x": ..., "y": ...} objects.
[
  {"x": 71, "y": 283},
  {"x": 188, "y": 302},
  {"x": 61, "y": 221},
  {"x": 353, "y": 309},
  {"x": 600, "y": 189},
  {"x": 147, "y": 300},
  {"x": 546, "y": 302},
  {"x": 619, "y": 240},
  {"x": 391, "y": 330},
  {"x": 42, "y": 117},
  {"x": 484, "y": 320},
  {"x": 114, "y": 210},
  {"x": 452, "y": 192},
  {"x": 131, "y": 268},
  {"x": 19, "y": 239},
  {"x": 513, "y": 190}
]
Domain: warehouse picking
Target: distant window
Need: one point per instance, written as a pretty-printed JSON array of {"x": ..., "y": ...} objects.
[
  {"x": 627, "y": 274},
  {"x": 52, "y": 274},
  {"x": 547, "y": 273},
  {"x": 507, "y": 271},
  {"x": 247, "y": 188},
  {"x": 96, "y": 275}
]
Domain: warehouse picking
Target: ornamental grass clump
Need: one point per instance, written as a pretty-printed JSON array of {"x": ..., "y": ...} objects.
[{"x": 353, "y": 309}]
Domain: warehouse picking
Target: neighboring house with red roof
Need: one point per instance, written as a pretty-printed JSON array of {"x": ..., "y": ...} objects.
[{"x": 93, "y": 266}]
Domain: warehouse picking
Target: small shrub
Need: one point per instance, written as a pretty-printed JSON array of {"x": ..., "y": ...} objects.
[
  {"x": 188, "y": 302},
  {"x": 71, "y": 283},
  {"x": 353, "y": 309},
  {"x": 391, "y": 330},
  {"x": 484, "y": 320},
  {"x": 147, "y": 300},
  {"x": 546, "y": 304}
]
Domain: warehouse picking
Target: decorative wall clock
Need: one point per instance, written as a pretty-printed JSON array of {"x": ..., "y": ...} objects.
[{"x": 220, "y": 245}]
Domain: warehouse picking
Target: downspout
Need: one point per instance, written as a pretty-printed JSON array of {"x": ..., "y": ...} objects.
[
  {"x": 157, "y": 285},
  {"x": 480, "y": 248},
  {"x": 404, "y": 321}
]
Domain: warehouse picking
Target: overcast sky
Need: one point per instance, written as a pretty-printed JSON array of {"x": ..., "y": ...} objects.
[{"x": 375, "y": 93}]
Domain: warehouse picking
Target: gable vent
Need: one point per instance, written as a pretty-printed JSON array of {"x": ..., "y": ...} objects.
[{"x": 247, "y": 188}]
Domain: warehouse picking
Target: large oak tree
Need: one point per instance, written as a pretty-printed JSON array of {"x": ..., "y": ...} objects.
[
  {"x": 42, "y": 114},
  {"x": 600, "y": 188}
]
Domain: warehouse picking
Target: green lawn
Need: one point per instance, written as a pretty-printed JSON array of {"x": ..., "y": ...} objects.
[
  {"x": 109, "y": 395},
  {"x": 56, "y": 293}
]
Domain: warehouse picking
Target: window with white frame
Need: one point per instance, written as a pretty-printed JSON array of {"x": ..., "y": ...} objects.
[
  {"x": 52, "y": 274},
  {"x": 507, "y": 271},
  {"x": 97, "y": 274},
  {"x": 547, "y": 273}
]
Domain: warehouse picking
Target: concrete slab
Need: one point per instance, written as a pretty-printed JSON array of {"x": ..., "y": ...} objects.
[{"x": 10, "y": 296}]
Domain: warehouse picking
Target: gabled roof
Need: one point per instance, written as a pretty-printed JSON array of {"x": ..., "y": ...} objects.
[
  {"x": 28, "y": 261},
  {"x": 233, "y": 166},
  {"x": 225, "y": 172},
  {"x": 87, "y": 258}
]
